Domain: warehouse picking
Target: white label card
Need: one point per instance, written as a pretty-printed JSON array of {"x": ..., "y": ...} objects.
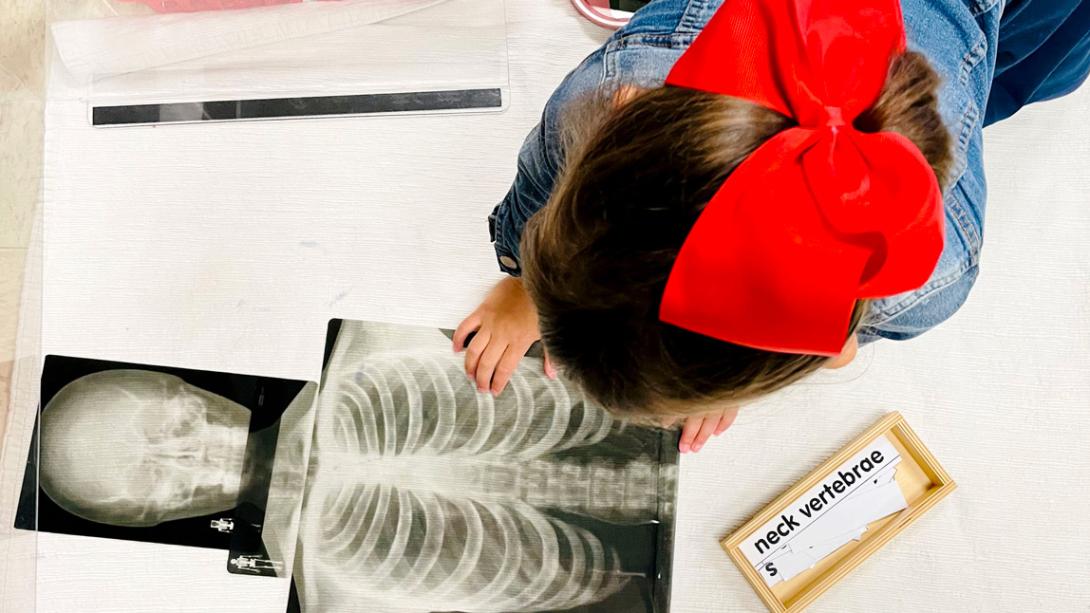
[{"x": 829, "y": 515}]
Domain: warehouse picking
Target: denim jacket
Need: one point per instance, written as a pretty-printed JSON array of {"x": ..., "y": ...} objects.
[{"x": 959, "y": 37}]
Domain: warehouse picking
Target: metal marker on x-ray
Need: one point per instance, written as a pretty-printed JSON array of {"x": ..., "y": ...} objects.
[
  {"x": 255, "y": 564},
  {"x": 225, "y": 525}
]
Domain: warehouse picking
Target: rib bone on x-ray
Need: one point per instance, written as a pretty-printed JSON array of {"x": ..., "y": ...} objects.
[{"x": 425, "y": 495}]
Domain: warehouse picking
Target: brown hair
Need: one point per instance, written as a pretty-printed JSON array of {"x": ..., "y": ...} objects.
[{"x": 636, "y": 176}]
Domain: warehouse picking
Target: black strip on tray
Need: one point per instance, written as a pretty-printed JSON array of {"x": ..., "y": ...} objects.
[{"x": 314, "y": 106}]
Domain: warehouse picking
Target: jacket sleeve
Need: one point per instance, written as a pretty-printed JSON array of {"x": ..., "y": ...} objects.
[{"x": 539, "y": 163}]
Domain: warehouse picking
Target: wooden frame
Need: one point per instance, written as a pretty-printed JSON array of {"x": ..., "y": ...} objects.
[{"x": 923, "y": 482}]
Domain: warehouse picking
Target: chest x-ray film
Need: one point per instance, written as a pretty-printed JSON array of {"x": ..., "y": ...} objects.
[
  {"x": 426, "y": 495},
  {"x": 307, "y": 59},
  {"x": 170, "y": 456}
]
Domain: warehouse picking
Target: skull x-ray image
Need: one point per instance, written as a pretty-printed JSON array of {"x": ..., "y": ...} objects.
[
  {"x": 425, "y": 495},
  {"x": 157, "y": 454}
]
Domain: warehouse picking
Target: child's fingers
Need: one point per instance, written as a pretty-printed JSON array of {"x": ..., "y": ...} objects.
[
  {"x": 707, "y": 428},
  {"x": 487, "y": 364},
  {"x": 688, "y": 433},
  {"x": 506, "y": 367},
  {"x": 468, "y": 325},
  {"x": 726, "y": 420},
  {"x": 474, "y": 351},
  {"x": 550, "y": 370}
]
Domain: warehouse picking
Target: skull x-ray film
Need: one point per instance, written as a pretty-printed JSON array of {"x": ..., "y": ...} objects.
[
  {"x": 166, "y": 455},
  {"x": 425, "y": 495}
]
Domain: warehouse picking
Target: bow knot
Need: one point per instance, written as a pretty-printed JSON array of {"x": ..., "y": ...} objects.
[
  {"x": 804, "y": 227},
  {"x": 832, "y": 117}
]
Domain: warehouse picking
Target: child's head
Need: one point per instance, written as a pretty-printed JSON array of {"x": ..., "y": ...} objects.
[{"x": 640, "y": 167}]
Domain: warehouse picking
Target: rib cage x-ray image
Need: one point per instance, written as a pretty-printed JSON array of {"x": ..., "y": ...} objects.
[
  {"x": 424, "y": 495},
  {"x": 158, "y": 454}
]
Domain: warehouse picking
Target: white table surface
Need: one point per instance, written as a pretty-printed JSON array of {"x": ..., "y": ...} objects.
[{"x": 228, "y": 246}]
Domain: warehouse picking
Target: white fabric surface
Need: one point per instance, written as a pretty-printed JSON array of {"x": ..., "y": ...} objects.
[{"x": 227, "y": 247}]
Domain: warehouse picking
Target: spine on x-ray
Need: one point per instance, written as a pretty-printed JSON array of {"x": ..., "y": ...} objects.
[
  {"x": 618, "y": 493},
  {"x": 622, "y": 493}
]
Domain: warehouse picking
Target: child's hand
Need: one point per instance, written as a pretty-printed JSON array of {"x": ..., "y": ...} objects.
[
  {"x": 503, "y": 328},
  {"x": 699, "y": 428}
]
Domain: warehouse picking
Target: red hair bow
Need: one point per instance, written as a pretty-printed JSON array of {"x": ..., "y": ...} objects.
[{"x": 820, "y": 215}]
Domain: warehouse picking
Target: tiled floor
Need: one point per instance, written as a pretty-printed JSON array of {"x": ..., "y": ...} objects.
[
  {"x": 21, "y": 61},
  {"x": 22, "y": 75}
]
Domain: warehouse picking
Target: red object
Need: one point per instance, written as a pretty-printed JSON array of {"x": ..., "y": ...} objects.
[{"x": 820, "y": 215}]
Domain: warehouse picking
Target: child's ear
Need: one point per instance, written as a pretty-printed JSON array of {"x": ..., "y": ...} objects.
[{"x": 846, "y": 355}]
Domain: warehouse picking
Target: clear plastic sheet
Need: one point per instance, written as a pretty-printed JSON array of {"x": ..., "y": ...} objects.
[{"x": 335, "y": 57}]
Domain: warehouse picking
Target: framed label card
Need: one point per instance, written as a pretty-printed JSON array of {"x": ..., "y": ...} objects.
[{"x": 826, "y": 525}]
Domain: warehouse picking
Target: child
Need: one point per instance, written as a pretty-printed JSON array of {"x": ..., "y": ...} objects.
[{"x": 809, "y": 177}]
